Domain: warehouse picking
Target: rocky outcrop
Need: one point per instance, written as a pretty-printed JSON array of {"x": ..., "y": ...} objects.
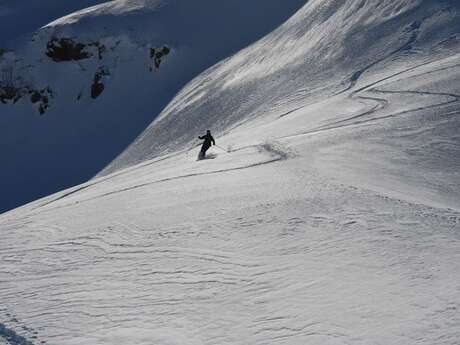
[
  {"x": 157, "y": 55},
  {"x": 66, "y": 49},
  {"x": 41, "y": 98},
  {"x": 17, "y": 85},
  {"x": 10, "y": 94},
  {"x": 98, "y": 87},
  {"x": 13, "y": 87}
]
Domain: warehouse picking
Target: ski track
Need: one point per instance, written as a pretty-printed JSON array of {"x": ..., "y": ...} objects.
[
  {"x": 257, "y": 260},
  {"x": 407, "y": 46},
  {"x": 257, "y": 270},
  {"x": 274, "y": 151},
  {"x": 380, "y": 103}
]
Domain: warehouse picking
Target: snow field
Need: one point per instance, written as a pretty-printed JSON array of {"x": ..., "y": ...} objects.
[{"x": 333, "y": 218}]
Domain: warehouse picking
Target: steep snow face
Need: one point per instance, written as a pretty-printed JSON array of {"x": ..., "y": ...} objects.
[
  {"x": 86, "y": 85},
  {"x": 328, "y": 47},
  {"x": 331, "y": 54},
  {"x": 328, "y": 214}
]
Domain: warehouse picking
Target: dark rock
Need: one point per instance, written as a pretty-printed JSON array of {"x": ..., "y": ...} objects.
[
  {"x": 9, "y": 94},
  {"x": 42, "y": 97},
  {"x": 35, "y": 97},
  {"x": 98, "y": 87},
  {"x": 66, "y": 49},
  {"x": 157, "y": 55}
]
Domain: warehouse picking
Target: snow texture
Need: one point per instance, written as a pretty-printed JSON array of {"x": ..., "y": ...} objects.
[
  {"x": 85, "y": 126},
  {"x": 330, "y": 214}
]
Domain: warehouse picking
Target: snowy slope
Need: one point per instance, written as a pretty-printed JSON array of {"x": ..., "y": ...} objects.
[
  {"x": 32, "y": 14},
  {"x": 257, "y": 246},
  {"x": 329, "y": 214},
  {"x": 81, "y": 131},
  {"x": 328, "y": 55},
  {"x": 326, "y": 48}
]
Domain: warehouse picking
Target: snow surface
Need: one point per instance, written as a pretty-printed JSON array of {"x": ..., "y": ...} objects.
[
  {"x": 78, "y": 136},
  {"x": 330, "y": 213},
  {"x": 32, "y": 14}
]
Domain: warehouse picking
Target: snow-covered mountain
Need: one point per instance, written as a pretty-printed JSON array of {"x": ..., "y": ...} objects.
[
  {"x": 329, "y": 212},
  {"x": 326, "y": 48},
  {"x": 79, "y": 90},
  {"x": 327, "y": 55},
  {"x": 20, "y": 18}
]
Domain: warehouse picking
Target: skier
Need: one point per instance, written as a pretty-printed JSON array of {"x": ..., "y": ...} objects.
[{"x": 208, "y": 139}]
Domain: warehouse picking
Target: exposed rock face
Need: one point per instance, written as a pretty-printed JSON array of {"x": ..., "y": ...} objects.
[
  {"x": 157, "y": 54},
  {"x": 9, "y": 93},
  {"x": 98, "y": 87},
  {"x": 41, "y": 97},
  {"x": 12, "y": 94},
  {"x": 66, "y": 49},
  {"x": 16, "y": 85}
]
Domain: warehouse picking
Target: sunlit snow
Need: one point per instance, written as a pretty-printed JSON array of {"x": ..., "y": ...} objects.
[{"x": 328, "y": 214}]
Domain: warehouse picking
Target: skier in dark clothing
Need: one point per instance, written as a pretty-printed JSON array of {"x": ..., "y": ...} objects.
[{"x": 208, "y": 139}]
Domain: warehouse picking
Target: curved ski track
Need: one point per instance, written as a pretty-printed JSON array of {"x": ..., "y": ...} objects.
[
  {"x": 382, "y": 103},
  {"x": 276, "y": 152}
]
